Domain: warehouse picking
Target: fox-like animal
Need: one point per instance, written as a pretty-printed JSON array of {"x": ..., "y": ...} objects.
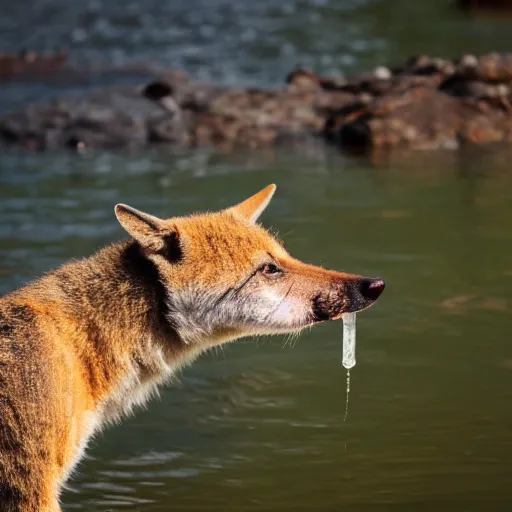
[{"x": 87, "y": 342}]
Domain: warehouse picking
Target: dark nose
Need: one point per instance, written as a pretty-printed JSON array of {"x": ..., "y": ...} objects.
[{"x": 371, "y": 289}]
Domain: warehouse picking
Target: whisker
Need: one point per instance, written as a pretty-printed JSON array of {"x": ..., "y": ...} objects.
[{"x": 296, "y": 336}]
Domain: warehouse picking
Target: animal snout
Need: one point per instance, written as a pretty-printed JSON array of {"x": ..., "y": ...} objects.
[
  {"x": 349, "y": 296},
  {"x": 371, "y": 288}
]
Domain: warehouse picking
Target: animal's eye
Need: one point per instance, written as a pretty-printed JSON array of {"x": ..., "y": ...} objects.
[{"x": 270, "y": 269}]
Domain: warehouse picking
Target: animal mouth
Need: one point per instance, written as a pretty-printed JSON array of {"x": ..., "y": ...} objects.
[
  {"x": 326, "y": 308},
  {"x": 357, "y": 296}
]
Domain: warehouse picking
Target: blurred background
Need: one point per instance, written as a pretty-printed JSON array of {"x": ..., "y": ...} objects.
[{"x": 261, "y": 425}]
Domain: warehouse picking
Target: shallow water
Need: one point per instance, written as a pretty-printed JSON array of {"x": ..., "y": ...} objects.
[
  {"x": 242, "y": 41},
  {"x": 260, "y": 426}
]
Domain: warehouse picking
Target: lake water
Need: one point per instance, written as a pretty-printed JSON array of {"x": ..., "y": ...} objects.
[{"x": 260, "y": 426}]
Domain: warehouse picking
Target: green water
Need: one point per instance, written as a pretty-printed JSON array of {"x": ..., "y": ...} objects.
[{"x": 260, "y": 425}]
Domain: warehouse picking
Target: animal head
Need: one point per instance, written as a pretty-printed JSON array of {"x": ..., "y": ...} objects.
[{"x": 226, "y": 276}]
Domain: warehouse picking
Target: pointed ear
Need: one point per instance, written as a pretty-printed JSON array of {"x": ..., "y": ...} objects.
[
  {"x": 144, "y": 228},
  {"x": 252, "y": 208}
]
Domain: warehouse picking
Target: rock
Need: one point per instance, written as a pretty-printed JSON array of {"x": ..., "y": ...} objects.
[
  {"x": 432, "y": 104},
  {"x": 427, "y": 103},
  {"x": 422, "y": 118},
  {"x": 382, "y": 73}
]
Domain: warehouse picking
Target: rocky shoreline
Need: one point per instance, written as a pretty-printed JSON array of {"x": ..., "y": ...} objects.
[{"x": 427, "y": 103}]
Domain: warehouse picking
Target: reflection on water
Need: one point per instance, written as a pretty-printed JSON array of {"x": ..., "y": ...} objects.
[{"x": 260, "y": 425}]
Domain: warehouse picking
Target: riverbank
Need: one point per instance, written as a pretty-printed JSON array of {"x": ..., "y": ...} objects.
[{"x": 424, "y": 104}]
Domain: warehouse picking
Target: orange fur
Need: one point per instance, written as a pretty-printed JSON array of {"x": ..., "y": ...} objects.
[{"x": 87, "y": 342}]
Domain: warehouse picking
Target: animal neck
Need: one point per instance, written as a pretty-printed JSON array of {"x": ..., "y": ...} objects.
[{"x": 127, "y": 345}]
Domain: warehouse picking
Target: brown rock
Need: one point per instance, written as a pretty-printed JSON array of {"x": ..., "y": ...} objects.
[{"x": 426, "y": 103}]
